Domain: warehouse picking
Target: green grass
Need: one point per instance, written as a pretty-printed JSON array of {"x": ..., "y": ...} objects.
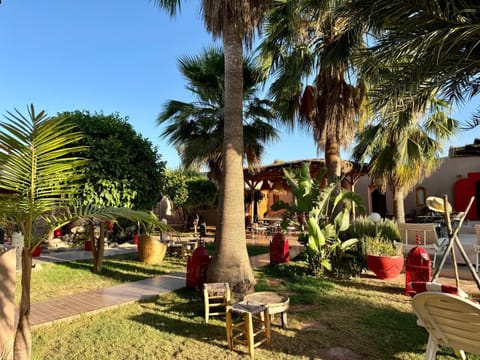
[
  {"x": 251, "y": 249},
  {"x": 61, "y": 279},
  {"x": 371, "y": 317}
]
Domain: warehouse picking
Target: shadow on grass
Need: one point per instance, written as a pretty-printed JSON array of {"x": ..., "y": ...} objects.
[
  {"x": 126, "y": 267},
  {"x": 370, "y": 330},
  {"x": 371, "y": 283}
]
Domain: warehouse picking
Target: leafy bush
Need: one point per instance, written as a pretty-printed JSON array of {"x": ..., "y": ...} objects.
[
  {"x": 379, "y": 246},
  {"x": 322, "y": 214},
  {"x": 364, "y": 226},
  {"x": 376, "y": 238}
]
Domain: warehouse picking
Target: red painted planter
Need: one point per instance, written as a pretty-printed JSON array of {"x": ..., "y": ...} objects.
[
  {"x": 385, "y": 267},
  {"x": 37, "y": 251}
]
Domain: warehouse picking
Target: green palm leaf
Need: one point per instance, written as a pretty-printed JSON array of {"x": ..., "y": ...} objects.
[{"x": 37, "y": 171}]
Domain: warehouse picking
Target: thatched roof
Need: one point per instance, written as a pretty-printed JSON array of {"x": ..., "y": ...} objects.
[{"x": 275, "y": 171}]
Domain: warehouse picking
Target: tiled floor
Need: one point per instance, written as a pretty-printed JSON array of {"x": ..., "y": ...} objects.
[{"x": 71, "y": 306}]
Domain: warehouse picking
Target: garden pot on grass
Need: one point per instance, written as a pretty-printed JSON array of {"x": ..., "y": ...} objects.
[
  {"x": 37, "y": 251},
  {"x": 151, "y": 250},
  {"x": 385, "y": 267}
]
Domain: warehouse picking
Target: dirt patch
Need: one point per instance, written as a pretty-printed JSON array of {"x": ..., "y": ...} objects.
[
  {"x": 339, "y": 353},
  {"x": 314, "y": 325}
]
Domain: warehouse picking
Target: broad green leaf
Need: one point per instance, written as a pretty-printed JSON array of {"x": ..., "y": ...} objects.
[
  {"x": 326, "y": 264},
  {"x": 347, "y": 244},
  {"x": 315, "y": 233}
]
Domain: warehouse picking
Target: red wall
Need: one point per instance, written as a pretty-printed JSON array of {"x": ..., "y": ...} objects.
[{"x": 464, "y": 189}]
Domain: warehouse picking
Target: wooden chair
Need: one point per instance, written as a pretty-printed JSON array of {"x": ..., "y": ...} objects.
[
  {"x": 450, "y": 320},
  {"x": 428, "y": 238},
  {"x": 216, "y": 296},
  {"x": 252, "y": 330}
]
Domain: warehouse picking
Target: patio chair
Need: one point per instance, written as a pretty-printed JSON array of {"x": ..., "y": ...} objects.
[
  {"x": 216, "y": 296},
  {"x": 428, "y": 238},
  {"x": 450, "y": 320},
  {"x": 258, "y": 229},
  {"x": 476, "y": 247}
]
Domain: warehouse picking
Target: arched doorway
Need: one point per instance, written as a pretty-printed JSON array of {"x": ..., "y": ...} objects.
[{"x": 379, "y": 202}]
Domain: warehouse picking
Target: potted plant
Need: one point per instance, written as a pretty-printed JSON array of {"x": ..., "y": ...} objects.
[
  {"x": 384, "y": 257},
  {"x": 150, "y": 249}
]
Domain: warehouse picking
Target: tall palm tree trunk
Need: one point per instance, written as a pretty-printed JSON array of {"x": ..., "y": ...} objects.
[
  {"x": 231, "y": 263},
  {"x": 23, "y": 335},
  {"x": 333, "y": 161},
  {"x": 398, "y": 206}
]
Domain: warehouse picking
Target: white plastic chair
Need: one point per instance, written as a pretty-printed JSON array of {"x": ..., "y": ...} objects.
[
  {"x": 450, "y": 320},
  {"x": 428, "y": 236}
]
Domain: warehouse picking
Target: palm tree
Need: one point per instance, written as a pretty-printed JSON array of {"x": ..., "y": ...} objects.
[
  {"x": 404, "y": 147},
  {"x": 196, "y": 129},
  {"x": 235, "y": 22},
  {"x": 39, "y": 175},
  {"x": 305, "y": 38},
  {"x": 432, "y": 44}
]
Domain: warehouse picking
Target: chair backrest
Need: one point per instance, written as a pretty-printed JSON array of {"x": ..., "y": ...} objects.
[
  {"x": 451, "y": 320},
  {"x": 426, "y": 231}
]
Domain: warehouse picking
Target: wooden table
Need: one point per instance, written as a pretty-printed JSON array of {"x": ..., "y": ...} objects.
[
  {"x": 276, "y": 303},
  {"x": 273, "y": 224}
]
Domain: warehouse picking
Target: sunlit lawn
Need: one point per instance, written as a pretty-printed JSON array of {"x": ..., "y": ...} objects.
[{"x": 61, "y": 279}]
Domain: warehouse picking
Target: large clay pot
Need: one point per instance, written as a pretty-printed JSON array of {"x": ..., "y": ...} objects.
[
  {"x": 385, "y": 267},
  {"x": 150, "y": 249}
]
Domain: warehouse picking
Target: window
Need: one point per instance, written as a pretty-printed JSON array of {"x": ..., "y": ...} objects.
[{"x": 420, "y": 196}]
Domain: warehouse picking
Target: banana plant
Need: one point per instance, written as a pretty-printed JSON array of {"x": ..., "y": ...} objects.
[{"x": 322, "y": 214}]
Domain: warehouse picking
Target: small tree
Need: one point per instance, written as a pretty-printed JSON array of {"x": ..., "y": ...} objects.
[
  {"x": 105, "y": 193},
  {"x": 120, "y": 155},
  {"x": 38, "y": 177}
]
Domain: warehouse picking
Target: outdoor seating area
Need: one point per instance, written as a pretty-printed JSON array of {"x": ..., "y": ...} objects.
[
  {"x": 450, "y": 320},
  {"x": 282, "y": 180},
  {"x": 181, "y": 248}
]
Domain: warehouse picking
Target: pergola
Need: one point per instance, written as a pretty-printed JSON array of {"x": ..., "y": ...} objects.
[{"x": 259, "y": 175}]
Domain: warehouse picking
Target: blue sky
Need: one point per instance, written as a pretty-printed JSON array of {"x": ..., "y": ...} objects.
[{"x": 113, "y": 57}]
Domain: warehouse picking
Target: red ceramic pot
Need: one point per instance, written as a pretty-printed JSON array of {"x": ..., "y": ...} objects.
[
  {"x": 385, "y": 267},
  {"x": 37, "y": 251}
]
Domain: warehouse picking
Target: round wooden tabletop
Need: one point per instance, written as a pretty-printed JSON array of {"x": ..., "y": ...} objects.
[{"x": 275, "y": 302}]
